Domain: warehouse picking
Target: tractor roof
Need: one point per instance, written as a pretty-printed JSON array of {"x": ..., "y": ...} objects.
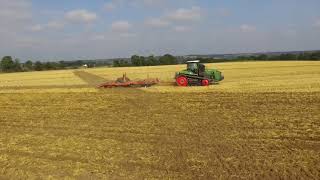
[{"x": 195, "y": 61}]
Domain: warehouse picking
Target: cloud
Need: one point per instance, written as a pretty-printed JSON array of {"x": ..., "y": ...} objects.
[
  {"x": 14, "y": 14},
  {"x": 53, "y": 25},
  {"x": 75, "y": 16},
  {"x": 152, "y": 2},
  {"x": 180, "y": 15},
  {"x": 157, "y": 22},
  {"x": 291, "y": 33},
  {"x": 181, "y": 29},
  {"x": 110, "y": 36},
  {"x": 183, "y": 14},
  {"x": 97, "y": 37},
  {"x": 15, "y": 18},
  {"x": 128, "y": 35},
  {"x": 223, "y": 12},
  {"x": 110, "y": 6},
  {"x": 317, "y": 23},
  {"x": 37, "y": 28},
  {"x": 81, "y": 16},
  {"x": 146, "y": 3},
  {"x": 15, "y": 10},
  {"x": 120, "y": 26},
  {"x": 247, "y": 28}
]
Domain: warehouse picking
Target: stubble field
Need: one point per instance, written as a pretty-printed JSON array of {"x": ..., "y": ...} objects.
[{"x": 261, "y": 122}]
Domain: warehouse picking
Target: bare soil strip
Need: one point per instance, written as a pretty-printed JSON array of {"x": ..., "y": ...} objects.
[{"x": 90, "y": 79}]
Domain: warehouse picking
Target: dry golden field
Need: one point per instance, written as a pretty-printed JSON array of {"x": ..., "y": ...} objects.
[{"x": 261, "y": 122}]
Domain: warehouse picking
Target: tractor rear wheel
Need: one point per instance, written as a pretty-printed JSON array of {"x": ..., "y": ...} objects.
[
  {"x": 205, "y": 82},
  {"x": 182, "y": 81}
]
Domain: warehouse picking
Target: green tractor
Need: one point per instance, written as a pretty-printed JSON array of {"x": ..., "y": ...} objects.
[{"x": 196, "y": 74}]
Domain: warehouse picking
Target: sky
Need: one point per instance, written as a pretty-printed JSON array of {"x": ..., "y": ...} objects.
[{"x": 95, "y": 29}]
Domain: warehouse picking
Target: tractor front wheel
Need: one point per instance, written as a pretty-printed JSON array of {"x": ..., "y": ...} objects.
[
  {"x": 205, "y": 82},
  {"x": 182, "y": 81}
]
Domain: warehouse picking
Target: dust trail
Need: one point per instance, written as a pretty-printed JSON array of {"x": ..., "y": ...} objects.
[{"x": 90, "y": 79}]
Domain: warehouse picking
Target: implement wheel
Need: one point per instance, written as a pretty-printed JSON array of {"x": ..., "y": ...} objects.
[
  {"x": 182, "y": 81},
  {"x": 205, "y": 82}
]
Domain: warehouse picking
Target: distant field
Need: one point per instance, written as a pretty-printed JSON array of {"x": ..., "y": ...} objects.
[
  {"x": 45, "y": 78},
  {"x": 261, "y": 122},
  {"x": 240, "y": 77}
]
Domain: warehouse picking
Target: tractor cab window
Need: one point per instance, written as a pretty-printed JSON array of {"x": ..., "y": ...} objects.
[
  {"x": 201, "y": 70},
  {"x": 193, "y": 67}
]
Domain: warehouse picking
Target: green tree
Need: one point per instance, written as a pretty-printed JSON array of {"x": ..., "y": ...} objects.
[
  {"x": 142, "y": 61},
  {"x": 314, "y": 56},
  {"x": 17, "y": 66},
  {"x": 262, "y": 57},
  {"x": 168, "y": 59},
  {"x": 124, "y": 63},
  {"x": 28, "y": 65},
  {"x": 7, "y": 64},
  {"x": 49, "y": 66},
  {"x": 38, "y": 66},
  {"x": 116, "y": 63},
  {"x": 61, "y": 64},
  {"x": 121, "y": 63},
  {"x": 287, "y": 57},
  {"x": 152, "y": 61},
  {"x": 135, "y": 60}
]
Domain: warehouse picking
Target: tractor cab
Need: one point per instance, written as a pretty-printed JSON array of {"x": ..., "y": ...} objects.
[
  {"x": 196, "y": 67},
  {"x": 193, "y": 66}
]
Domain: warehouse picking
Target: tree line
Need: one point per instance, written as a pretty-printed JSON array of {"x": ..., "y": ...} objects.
[
  {"x": 168, "y": 59},
  {"x": 303, "y": 56},
  {"x": 137, "y": 60},
  {"x": 8, "y": 64}
]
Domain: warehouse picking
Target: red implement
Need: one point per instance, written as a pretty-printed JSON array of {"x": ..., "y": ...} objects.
[{"x": 126, "y": 82}]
